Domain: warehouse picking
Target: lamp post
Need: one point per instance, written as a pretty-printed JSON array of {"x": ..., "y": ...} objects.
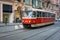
[{"x": 59, "y": 7}]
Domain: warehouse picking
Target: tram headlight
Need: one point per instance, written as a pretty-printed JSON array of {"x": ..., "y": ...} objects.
[
  {"x": 22, "y": 21},
  {"x": 29, "y": 21}
]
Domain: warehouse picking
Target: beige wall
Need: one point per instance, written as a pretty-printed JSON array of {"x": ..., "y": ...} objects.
[{"x": 1, "y": 11}]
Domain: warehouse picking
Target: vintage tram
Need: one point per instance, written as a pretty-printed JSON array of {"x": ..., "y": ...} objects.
[{"x": 37, "y": 17}]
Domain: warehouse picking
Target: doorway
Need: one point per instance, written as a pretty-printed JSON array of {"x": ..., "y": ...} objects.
[{"x": 5, "y": 16}]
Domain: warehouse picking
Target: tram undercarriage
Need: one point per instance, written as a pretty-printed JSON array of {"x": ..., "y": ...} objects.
[{"x": 36, "y": 25}]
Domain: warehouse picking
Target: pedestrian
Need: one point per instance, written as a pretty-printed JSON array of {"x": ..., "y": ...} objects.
[{"x": 6, "y": 20}]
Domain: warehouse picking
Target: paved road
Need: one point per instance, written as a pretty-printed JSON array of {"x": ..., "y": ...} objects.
[{"x": 51, "y": 32}]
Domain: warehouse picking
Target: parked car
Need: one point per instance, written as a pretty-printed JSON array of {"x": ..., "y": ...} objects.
[{"x": 57, "y": 19}]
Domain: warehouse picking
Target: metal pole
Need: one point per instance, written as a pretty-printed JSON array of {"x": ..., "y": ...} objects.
[{"x": 59, "y": 8}]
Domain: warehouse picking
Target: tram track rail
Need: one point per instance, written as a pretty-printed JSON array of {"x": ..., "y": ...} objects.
[
  {"x": 21, "y": 30},
  {"x": 42, "y": 32},
  {"x": 28, "y": 30},
  {"x": 52, "y": 35}
]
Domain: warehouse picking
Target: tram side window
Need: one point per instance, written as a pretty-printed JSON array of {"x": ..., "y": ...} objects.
[
  {"x": 53, "y": 15},
  {"x": 46, "y": 14},
  {"x": 49, "y": 14},
  {"x": 43, "y": 14},
  {"x": 38, "y": 14},
  {"x": 34, "y": 14}
]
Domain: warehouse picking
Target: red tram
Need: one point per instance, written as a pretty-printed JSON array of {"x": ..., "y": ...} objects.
[{"x": 37, "y": 17}]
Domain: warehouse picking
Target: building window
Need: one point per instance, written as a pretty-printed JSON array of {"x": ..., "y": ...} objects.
[
  {"x": 39, "y": 4},
  {"x": 33, "y": 2},
  {"x": 27, "y": 1},
  {"x": 57, "y": 6},
  {"x": 43, "y": 4},
  {"x": 51, "y": 7},
  {"x": 23, "y": 0},
  {"x": 19, "y": 0},
  {"x": 10, "y": 0},
  {"x": 7, "y": 8}
]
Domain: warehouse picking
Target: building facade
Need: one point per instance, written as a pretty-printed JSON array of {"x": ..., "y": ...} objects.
[
  {"x": 55, "y": 7},
  {"x": 59, "y": 8},
  {"x": 6, "y": 11},
  {"x": 11, "y": 9}
]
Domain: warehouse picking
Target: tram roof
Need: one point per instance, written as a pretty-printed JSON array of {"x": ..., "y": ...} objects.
[
  {"x": 42, "y": 10},
  {"x": 34, "y": 9}
]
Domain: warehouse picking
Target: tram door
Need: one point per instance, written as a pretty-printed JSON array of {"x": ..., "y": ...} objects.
[{"x": 5, "y": 16}]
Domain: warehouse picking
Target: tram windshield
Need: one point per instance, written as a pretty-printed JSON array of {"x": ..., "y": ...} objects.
[{"x": 28, "y": 14}]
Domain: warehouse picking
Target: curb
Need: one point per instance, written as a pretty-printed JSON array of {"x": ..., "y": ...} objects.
[{"x": 10, "y": 28}]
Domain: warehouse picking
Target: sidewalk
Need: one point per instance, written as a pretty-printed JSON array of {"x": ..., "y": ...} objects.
[
  {"x": 10, "y": 27},
  {"x": 9, "y": 24}
]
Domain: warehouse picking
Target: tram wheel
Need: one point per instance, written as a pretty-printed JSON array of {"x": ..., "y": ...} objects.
[{"x": 27, "y": 26}]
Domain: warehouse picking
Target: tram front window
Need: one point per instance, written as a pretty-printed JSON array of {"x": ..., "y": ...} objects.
[{"x": 28, "y": 14}]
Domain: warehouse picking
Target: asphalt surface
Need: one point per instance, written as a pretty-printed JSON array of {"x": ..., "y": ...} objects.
[{"x": 51, "y": 32}]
